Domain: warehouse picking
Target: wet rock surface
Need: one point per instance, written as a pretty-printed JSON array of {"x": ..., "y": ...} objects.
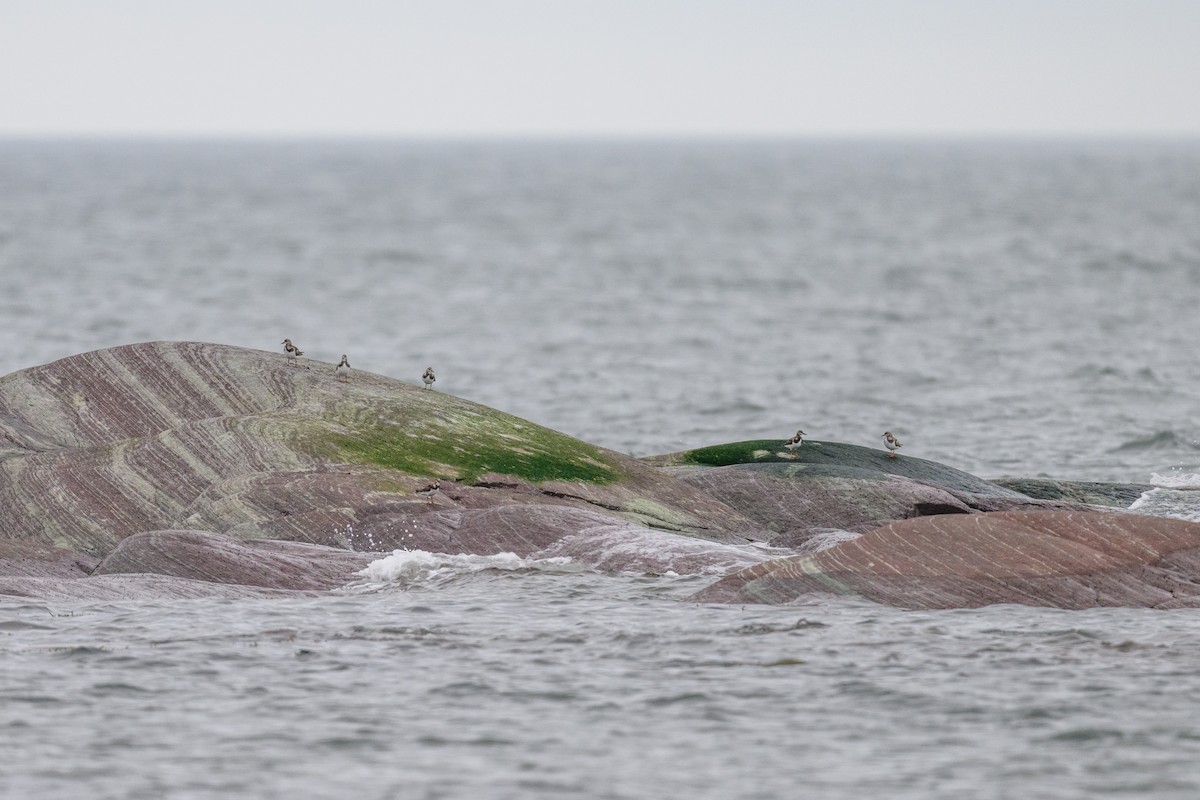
[
  {"x": 794, "y": 502},
  {"x": 216, "y": 558},
  {"x": 835, "y": 458},
  {"x": 1100, "y": 493},
  {"x": 1042, "y": 558}
]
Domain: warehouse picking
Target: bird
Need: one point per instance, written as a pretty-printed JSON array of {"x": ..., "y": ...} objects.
[
  {"x": 293, "y": 352},
  {"x": 342, "y": 376},
  {"x": 431, "y": 490},
  {"x": 428, "y": 377},
  {"x": 795, "y": 441},
  {"x": 891, "y": 443}
]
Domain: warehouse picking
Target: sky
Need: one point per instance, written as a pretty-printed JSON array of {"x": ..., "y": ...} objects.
[{"x": 469, "y": 68}]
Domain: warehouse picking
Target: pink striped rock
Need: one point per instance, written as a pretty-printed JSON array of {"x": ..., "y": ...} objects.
[{"x": 1062, "y": 559}]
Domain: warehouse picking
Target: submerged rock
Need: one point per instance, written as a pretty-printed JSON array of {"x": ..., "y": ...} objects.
[
  {"x": 1041, "y": 558},
  {"x": 212, "y": 557},
  {"x": 132, "y": 587}
]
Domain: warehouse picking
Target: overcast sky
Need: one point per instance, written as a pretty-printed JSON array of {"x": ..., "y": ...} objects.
[{"x": 599, "y": 67}]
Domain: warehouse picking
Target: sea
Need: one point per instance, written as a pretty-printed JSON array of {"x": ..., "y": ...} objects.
[{"x": 1015, "y": 307}]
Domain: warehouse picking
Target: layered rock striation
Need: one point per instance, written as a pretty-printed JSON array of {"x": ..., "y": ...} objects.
[
  {"x": 182, "y": 436},
  {"x": 1040, "y": 558}
]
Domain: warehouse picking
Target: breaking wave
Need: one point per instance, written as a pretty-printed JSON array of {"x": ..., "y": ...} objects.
[
  {"x": 406, "y": 569},
  {"x": 1174, "y": 496},
  {"x": 1182, "y": 480}
]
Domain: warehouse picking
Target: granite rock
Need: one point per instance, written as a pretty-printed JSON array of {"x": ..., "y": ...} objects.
[
  {"x": 793, "y": 495},
  {"x": 1042, "y": 558},
  {"x": 185, "y": 436}
]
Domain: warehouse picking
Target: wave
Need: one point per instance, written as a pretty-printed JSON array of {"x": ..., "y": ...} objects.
[
  {"x": 1100, "y": 372},
  {"x": 1160, "y": 440},
  {"x": 1180, "y": 480},
  {"x": 1170, "y": 502},
  {"x": 405, "y": 569}
]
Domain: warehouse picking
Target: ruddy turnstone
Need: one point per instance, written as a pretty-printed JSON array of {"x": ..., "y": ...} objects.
[
  {"x": 428, "y": 377},
  {"x": 891, "y": 443},
  {"x": 795, "y": 441},
  {"x": 342, "y": 370},
  {"x": 293, "y": 352},
  {"x": 431, "y": 490}
]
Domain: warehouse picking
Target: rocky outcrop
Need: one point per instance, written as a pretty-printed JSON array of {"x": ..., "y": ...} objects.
[
  {"x": 834, "y": 458},
  {"x": 829, "y": 485},
  {"x": 186, "y": 469},
  {"x": 1042, "y": 558},
  {"x": 198, "y": 437},
  {"x": 212, "y": 557}
]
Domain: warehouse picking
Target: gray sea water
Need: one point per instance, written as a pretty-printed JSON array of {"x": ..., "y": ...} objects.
[{"x": 1009, "y": 308}]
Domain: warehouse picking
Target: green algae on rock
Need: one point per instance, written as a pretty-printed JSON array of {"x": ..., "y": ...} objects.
[
  {"x": 496, "y": 445},
  {"x": 440, "y": 435},
  {"x": 829, "y": 458}
]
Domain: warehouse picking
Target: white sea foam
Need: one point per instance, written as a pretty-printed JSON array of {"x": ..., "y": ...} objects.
[
  {"x": 407, "y": 568},
  {"x": 628, "y": 548},
  {"x": 1166, "y": 502},
  {"x": 1178, "y": 480},
  {"x": 1175, "y": 495}
]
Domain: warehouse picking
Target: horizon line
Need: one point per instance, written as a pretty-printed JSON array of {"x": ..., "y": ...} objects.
[{"x": 581, "y": 136}]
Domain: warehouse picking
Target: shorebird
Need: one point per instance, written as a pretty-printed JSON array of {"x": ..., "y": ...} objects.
[
  {"x": 431, "y": 490},
  {"x": 342, "y": 376},
  {"x": 795, "y": 441},
  {"x": 428, "y": 377},
  {"x": 293, "y": 352},
  {"x": 891, "y": 443}
]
